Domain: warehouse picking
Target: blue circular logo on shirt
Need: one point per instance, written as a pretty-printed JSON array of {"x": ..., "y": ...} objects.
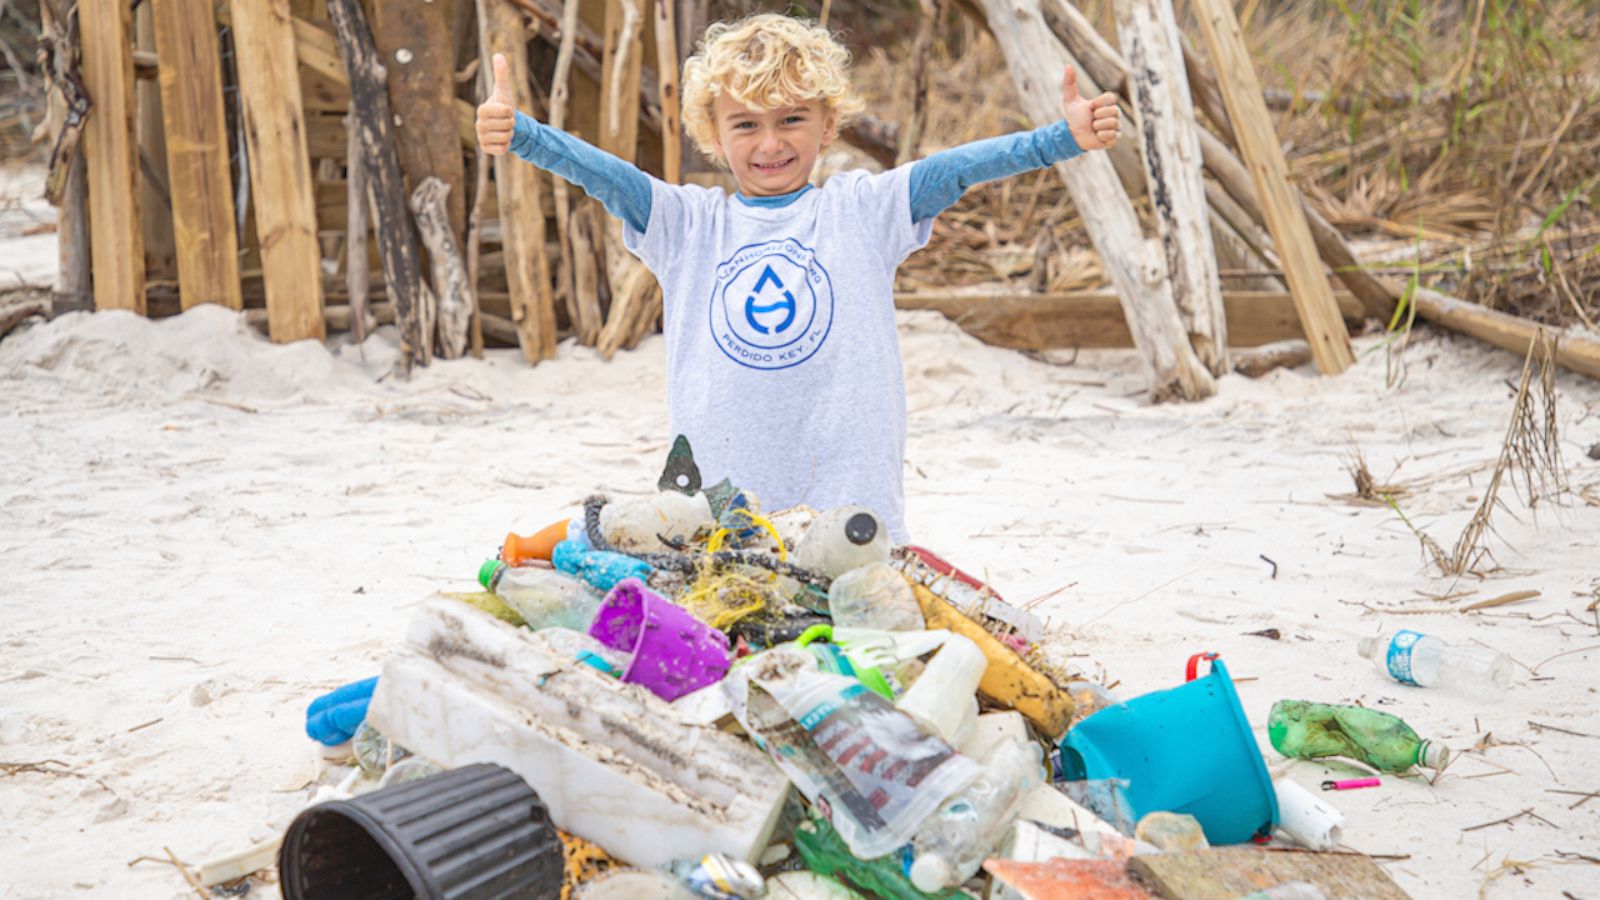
[{"x": 772, "y": 306}]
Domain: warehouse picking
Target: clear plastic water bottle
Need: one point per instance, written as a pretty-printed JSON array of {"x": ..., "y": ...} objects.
[
  {"x": 953, "y": 843},
  {"x": 544, "y": 598},
  {"x": 874, "y": 596},
  {"x": 1411, "y": 657}
]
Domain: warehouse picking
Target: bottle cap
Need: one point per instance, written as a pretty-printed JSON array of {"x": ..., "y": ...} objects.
[
  {"x": 930, "y": 874},
  {"x": 487, "y": 572},
  {"x": 861, "y": 528},
  {"x": 1433, "y": 756}
]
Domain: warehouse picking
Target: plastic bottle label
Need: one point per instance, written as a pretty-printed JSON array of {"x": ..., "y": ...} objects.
[{"x": 1400, "y": 656}]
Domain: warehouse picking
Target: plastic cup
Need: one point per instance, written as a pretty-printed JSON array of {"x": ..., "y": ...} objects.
[{"x": 673, "y": 653}]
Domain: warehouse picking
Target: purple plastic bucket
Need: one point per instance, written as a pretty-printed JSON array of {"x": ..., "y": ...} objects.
[{"x": 673, "y": 652}]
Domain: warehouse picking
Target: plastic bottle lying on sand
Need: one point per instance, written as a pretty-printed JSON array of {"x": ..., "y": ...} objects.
[
  {"x": 874, "y": 596},
  {"x": 1411, "y": 657},
  {"x": 1316, "y": 730},
  {"x": 544, "y": 598},
  {"x": 953, "y": 843}
]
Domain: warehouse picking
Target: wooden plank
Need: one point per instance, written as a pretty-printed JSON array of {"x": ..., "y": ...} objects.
[
  {"x": 632, "y": 284},
  {"x": 397, "y": 241},
  {"x": 667, "y": 75},
  {"x": 1170, "y": 149},
  {"x": 414, "y": 41},
  {"x": 578, "y": 272},
  {"x": 1036, "y": 61},
  {"x": 116, "y": 244},
  {"x": 517, "y": 185},
  {"x": 67, "y": 184},
  {"x": 155, "y": 192},
  {"x": 280, "y": 169},
  {"x": 1093, "y": 319},
  {"x": 1225, "y": 873},
  {"x": 1241, "y": 93},
  {"x": 197, "y": 153}
]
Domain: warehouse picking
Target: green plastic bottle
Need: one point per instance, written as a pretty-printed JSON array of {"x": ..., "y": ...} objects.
[
  {"x": 825, "y": 852},
  {"x": 1306, "y": 730}
]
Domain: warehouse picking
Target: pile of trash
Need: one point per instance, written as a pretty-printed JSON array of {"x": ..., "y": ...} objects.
[{"x": 681, "y": 695}]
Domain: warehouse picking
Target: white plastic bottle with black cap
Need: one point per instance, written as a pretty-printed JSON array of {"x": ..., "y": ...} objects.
[
  {"x": 841, "y": 539},
  {"x": 953, "y": 843},
  {"x": 1411, "y": 657}
]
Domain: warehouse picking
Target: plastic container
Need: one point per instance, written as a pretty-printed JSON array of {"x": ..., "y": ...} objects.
[
  {"x": 518, "y": 550},
  {"x": 544, "y": 598},
  {"x": 474, "y": 832},
  {"x": 841, "y": 539},
  {"x": 639, "y": 524},
  {"x": 1309, "y": 820},
  {"x": 874, "y": 596},
  {"x": 1187, "y": 749},
  {"x": 876, "y": 772},
  {"x": 944, "y": 696},
  {"x": 952, "y": 844},
  {"x": 1414, "y": 658},
  {"x": 1306, "y": 730},
  {"x": 673, "y": 653}
]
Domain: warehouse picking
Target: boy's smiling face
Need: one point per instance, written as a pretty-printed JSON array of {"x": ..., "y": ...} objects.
[{"x": 772, "y": 151}]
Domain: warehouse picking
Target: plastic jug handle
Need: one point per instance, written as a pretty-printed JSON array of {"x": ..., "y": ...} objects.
[
  {"x": 825, "y": 632},
  {"x": 1193, "y": 670}
]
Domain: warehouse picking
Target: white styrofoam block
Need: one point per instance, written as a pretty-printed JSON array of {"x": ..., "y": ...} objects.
[
  {"x": 1048, "y": 805},
  {"x": 613, "y": 763}
]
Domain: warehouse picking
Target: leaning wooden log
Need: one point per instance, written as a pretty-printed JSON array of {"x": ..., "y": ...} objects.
[
  {"x": 66, "y": 186},
  {"x": 1576, "y": 349},
  {"x": 14, "y": 314},
  {"x": 578, "y": 270},
  {"x": 520, "y": 192},
  {"x": 667, "y": 74},
  {"x": 1170, "y": 148},
  {"x": 397, "y": 243},
  {"x": 357, "y": 202},
  {"x": 1036, "y": 61},
  {"x": 450, "y": 285},
  {"x": 116, "y": 241},
  {"x": 1258, "y": 139},
  {"x": 630, "y": 281},
  {"x": 1258, "y": 361}
]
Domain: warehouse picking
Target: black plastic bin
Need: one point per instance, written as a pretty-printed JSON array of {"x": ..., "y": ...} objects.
[{"x": 469, "y": 833}]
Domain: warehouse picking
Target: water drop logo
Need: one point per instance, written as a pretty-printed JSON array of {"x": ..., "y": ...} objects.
[{"x": 772, "y": 305}]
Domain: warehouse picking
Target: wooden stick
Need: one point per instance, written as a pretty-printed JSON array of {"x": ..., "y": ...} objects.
[
  {"x": 397, "y": 243},
  {"x": 280, "y": 170},
  {"x": 577, "y": 270},
  {"x": 932, "y": 13},
  {"x": 117, "y": 246},
  {"x": 67, "y": 185},
  {"x": 1325, "y": 330},
  {"x": 667, "y": 74},
  {"x": 451, "y": 286},
  {"x": 475, "y": 248},
  {"x": 518, "y": 187},
  {"x": 1170, "y": 148},
  {"x": 357, "y": 198}
]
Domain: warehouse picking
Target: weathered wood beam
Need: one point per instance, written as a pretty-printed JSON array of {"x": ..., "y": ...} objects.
[
  {"x": 280, "y": 168},
  {"x": 397, "y": 242},
  {"x": 1285, "y": 219},
  {"x": 116, "y": 239},
  {"x": 1575, "y": 349},
  {"x": 197, "y": 153},
  {"x": 450, "y": 284},
  {"x": 1170, "y": 147}
]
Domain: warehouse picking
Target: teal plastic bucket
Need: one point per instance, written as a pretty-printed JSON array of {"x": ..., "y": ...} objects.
[{"x": 1186, "y": 749}]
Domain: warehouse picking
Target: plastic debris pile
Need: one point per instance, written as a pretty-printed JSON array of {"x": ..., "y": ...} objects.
[{"x": 680, "y": 694}]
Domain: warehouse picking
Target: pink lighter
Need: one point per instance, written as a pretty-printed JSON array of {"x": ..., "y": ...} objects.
[{"x": 1350, "y": 784}]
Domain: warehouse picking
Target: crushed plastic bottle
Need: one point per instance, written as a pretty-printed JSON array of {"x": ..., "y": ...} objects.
[
  {"x": 1414, "y": 658},
  {"x": 1316, "y": 730},
  {"x": 874, "y": 596},
  {"x": 544, "y": 598},
  {"x": 953, "y": 843}
]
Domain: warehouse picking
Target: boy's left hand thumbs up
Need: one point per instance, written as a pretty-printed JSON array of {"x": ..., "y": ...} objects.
[
  {"x": 497, "y": 116},
  {"x": 1095, "y": 124}
]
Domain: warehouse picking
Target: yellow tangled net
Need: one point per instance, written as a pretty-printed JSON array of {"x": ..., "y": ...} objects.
[{"x": 722, "y": 596}]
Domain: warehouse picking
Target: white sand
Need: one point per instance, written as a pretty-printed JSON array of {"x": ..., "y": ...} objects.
[{"x": 204, "y": 531}]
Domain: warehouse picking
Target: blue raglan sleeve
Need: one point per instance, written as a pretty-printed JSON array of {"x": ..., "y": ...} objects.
[
  {"x": 938, "y": 181},
  {"x": 621, "y": 186}
]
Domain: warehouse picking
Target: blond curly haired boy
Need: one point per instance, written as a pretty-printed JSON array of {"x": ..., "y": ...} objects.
[{"x": 783, "y": 364}]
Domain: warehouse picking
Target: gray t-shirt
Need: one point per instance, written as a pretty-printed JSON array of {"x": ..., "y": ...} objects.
[{"x": 783, "y": 364}]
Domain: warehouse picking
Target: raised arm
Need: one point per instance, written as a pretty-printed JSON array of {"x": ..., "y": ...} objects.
[
  {"x": 621, "y": 186},
  {"x": 938, "y": 181}
]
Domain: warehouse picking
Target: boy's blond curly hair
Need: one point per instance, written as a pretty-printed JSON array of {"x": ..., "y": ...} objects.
[{"x": 765, "y": 61}]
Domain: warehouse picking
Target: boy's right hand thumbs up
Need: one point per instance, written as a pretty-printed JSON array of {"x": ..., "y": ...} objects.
[{"x": 497, "y": 116}]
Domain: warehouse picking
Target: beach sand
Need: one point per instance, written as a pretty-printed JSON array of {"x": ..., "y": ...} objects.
[{"x": 201, "y": 531}]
